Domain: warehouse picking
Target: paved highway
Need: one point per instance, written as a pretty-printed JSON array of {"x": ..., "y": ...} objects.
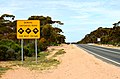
[{"x": 109, "y": 54}]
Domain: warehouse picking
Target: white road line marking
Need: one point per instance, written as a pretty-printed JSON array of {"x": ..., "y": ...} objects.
[
  {"x": 101, "y": 56},
  {"x": 106, "y": 50}
]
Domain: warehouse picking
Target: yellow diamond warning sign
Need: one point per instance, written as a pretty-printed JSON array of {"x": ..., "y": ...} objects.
[{"x": 28, "y": 29}]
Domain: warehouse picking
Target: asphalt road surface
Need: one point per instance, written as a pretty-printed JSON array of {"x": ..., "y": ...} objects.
[{"x": 108, "y": 54}]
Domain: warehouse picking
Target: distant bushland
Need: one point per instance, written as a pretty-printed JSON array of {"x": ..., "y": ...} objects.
[{"x": 107, "y": 35}]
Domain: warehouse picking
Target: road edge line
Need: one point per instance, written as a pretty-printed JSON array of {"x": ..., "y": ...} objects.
[
  {"x": 101, "y": 56},
  {"x": 105, "y": 49}
]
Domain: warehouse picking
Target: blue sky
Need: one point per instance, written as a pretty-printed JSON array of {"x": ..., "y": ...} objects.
[{"x": 80, "y": 17}]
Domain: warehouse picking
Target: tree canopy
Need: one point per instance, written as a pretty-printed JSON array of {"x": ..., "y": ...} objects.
[
  {"x": 10, "y": 45},
  {"x": 50, "y": 33},
  {"x": 107, "y": 35}
]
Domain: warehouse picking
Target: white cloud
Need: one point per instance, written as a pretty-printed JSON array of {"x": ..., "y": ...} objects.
[
  {"x": 86, "y": 9},
  {"x": 86, "y": 15}
]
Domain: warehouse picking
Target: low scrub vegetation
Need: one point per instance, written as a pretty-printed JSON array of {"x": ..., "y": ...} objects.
[
  {"x": 10, "y": 46},
  {"x": 59, "y": 52},
  {"x": 3, "y": 70},
  {"x": 9, "y": 50}
]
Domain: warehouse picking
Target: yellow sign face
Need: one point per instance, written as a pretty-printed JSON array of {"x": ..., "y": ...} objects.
[{"x": 28, "y": 29}]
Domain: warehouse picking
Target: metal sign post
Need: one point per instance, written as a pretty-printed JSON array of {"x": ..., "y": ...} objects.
[
  {"x": 36, "y": 49},
  {"x": 22, "y": 50}
]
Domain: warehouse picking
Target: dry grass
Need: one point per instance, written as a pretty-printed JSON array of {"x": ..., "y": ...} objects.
[
  {"x": 43, "y": 62},
  {"x": 3, "y": 70}
]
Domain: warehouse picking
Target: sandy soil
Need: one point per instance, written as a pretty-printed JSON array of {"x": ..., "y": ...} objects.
[{"x": 76, "y": 64}]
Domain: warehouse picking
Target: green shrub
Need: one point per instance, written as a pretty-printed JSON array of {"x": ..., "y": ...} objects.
[
  {"x": 16, "y": 47},
  {"x": 29, "y": 50},
  {"x": 3, "y": 50},
  {"x": 1, "y": 36},
  {"x": 7, "y": 42},
  {"x": 10, "y": 44},
  {"x": 10, "y": 54},
  {"x": 42, "y": 45},
  {"x": 53, "y": 44},
  {"x": 18, "y": 55},
  {"x": 9, "y": 50}
]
